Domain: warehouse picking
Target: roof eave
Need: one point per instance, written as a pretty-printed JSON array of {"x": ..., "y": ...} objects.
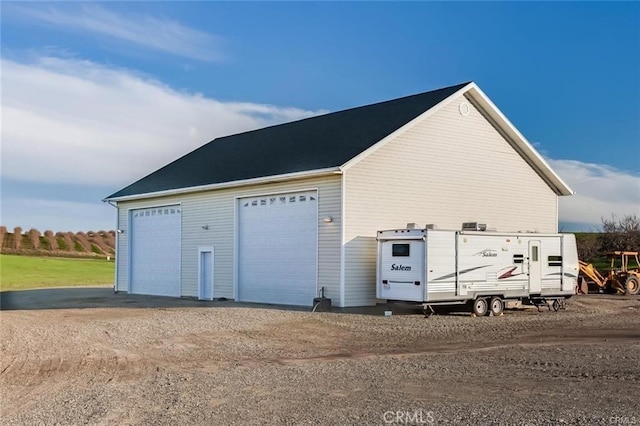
[
  {"x": 521, "y": 143},
  {"x": 223, "y": 185}
]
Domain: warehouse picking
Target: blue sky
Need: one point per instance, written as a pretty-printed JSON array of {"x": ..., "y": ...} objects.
[{"x": 97, "y": 95}]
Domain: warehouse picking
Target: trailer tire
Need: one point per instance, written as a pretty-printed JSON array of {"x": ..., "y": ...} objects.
[
  {"x": 496, "y": 306},
  {"x": 480, "y": 307},
  {"x": 632, "y": 285}
]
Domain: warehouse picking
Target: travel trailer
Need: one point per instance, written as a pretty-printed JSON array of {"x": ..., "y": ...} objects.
[{"x": 478, "y": 268}]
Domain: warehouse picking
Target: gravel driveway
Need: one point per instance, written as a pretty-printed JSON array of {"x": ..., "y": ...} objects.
[{"x": 227, "y": 364}]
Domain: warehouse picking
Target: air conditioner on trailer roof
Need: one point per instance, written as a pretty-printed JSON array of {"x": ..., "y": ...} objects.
[{"x": 474, "y": 226}]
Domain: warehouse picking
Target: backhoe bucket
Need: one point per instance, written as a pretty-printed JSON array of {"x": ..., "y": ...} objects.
[{"x": 582, "y": 287}]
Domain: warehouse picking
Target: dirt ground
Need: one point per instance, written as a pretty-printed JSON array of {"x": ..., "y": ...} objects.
[{"x": 223, "y": 363}]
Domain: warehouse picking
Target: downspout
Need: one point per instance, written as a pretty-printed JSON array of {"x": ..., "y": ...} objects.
[{"x": 343, "y": 220}]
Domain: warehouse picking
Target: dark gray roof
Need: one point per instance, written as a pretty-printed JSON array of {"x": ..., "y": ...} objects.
[{"x": 313, "y": 143}]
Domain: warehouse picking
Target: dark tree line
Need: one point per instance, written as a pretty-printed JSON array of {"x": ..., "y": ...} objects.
[{"x": 618, "y": 234}]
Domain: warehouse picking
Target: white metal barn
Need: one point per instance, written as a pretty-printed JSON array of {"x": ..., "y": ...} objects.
[{"x": 276, "y": 214}]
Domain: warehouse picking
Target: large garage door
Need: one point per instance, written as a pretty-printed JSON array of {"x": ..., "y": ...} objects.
[
  {"x": 155, "y": 251},
  {"x": 278, "y": 248}
]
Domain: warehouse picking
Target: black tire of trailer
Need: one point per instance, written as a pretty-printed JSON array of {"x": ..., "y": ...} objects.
[
  {"x": 632, "y": 285},
  {"x": 496, "y": 306},
  {"x": 480, "y": 307}
]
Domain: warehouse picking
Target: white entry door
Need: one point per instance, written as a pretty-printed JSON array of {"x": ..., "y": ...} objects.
[
  {"x": 278, "y": 248},
  {"x": 154, "y": 251},
  {"x": 205, "y": 273}
]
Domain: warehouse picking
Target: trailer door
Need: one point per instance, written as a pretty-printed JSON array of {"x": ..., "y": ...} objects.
[
  {"x": 402, "y": 270},
  {"x": 461, "y": 289},
  {"x": 535, "y": 270}
]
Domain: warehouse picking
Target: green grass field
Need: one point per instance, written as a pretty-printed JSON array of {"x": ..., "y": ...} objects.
[{"x": 25, "y": 272}]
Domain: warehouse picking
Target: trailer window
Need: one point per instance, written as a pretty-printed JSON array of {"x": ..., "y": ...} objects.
[
  {"x": 518, "y": 258},
  {"x": 534, "y": 253},
  {"x": 400, "y": 250},
  {"x": 555, "y": 260}
]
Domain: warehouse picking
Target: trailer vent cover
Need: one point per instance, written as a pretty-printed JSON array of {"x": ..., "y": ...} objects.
[{"x": 474, "y": 226}]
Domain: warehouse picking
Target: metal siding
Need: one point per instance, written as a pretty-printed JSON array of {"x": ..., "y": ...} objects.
[
  {"x": 570, "y": 262},
  {"x": 122, "y": 255},
  {"x": 441, "y": 261},
  {"x": 446, "y": 169},
  {"x": 483, "y": 271},
  {"x": 216, "y": 209}
]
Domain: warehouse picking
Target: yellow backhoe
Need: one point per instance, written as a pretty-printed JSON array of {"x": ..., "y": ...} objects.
[{"x": 622, "y": 279}]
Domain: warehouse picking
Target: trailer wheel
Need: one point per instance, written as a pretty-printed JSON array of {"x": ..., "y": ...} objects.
[
  {"x": 497, "y": 306},
  {"x": 480, "y": 307},
  {"x": 632, "y": 285}
]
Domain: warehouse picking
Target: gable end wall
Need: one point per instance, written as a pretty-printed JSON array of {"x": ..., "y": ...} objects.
[{"x": 446, "y": 169}]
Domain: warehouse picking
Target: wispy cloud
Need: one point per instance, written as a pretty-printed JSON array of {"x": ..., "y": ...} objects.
[
  {"x": 73, "y": 121},
  {"x": 600, "y": 192},
  {"x": 147, "y": 31}
]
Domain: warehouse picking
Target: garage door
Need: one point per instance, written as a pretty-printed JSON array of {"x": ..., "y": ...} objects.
[
  {"x": 278, "y": 248},
  {"x": 155, "y": 251}
]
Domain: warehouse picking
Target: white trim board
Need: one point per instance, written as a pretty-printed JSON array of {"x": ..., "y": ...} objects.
[{"x": 232, "y": 184}]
